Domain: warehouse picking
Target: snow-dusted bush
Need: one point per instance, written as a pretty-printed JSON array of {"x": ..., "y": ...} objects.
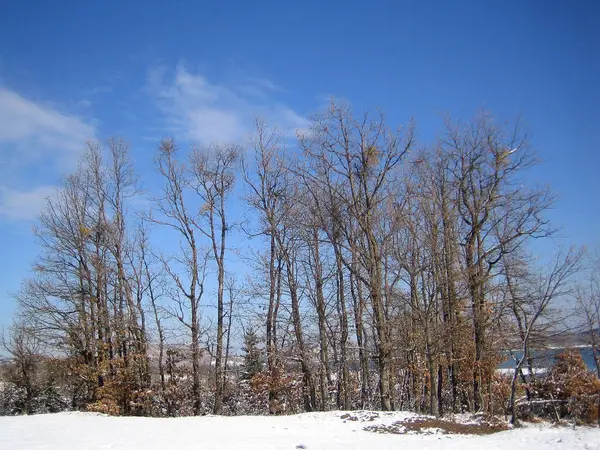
[
  {"x": 42, "y": 394},
  {"x": 569, "y": 391}
]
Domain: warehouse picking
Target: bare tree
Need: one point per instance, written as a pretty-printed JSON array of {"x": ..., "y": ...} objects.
[
  {"x": 265, "y": 180},
  {"x": 363, "y": 154},
  {"x": 121, "y": 185},
  {"x": 383, "y": 276},
  {"x": 213, "y": 180},
  {"x": 530, "y": 295},
  {"x": 172, "y": 212},
  {"x": 497, "y": 213},
  {"x": 152, "y": 283},
  {"x": 233, "y": 293},
  {"x": 81, "y": 296},
  {"x": 588, "y": 312},
  {"x": 324, "y": 225},
  {"x": 288, "y": 245},
  {"x": 24, "y": 349}
]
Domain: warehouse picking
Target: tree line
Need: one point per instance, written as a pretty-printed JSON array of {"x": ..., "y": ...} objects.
[{"x": 381, "y": 273}]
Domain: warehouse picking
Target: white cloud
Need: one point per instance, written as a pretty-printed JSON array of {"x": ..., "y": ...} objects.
[
  {"x": 23, "y": 205},
  {"x": 30, "y": 132},
  {"x": 37, "y": 143},
  {"x": 206, "y": 112}
]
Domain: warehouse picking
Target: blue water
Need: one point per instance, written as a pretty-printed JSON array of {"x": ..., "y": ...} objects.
[{"x": 546, "y": 358}]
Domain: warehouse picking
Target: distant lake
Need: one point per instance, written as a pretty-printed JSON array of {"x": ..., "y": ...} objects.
[{"x": 547, "y": 358}]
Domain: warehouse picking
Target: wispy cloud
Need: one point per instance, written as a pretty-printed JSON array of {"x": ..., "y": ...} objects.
[
  {"x": 30, "y": 132},
  {"x": 34, "y": 138},
  {"x": 206, "y": 112},
  {"x": 23, "y": 205}
]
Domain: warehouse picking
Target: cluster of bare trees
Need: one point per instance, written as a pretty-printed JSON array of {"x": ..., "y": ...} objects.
[
  {"x": 386, "y": 275},
  {"x": 87, "y": 297}
]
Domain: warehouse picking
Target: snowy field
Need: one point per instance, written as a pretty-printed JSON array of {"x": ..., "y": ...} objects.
[{"x": 77, "y": 431}]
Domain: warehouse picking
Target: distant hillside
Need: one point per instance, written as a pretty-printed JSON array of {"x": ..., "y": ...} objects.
[{"x": 571, "y": 339}]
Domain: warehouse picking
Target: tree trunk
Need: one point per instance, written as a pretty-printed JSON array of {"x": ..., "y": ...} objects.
[{"x": 325, "y": 380}]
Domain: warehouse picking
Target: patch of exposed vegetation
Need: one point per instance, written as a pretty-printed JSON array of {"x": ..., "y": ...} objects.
[{"x": 429, "y": 425}]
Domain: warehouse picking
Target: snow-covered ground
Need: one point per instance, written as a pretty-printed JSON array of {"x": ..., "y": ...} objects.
[
  {"x": 525, "y": 370},
  {"x": 310, "y": 431}
]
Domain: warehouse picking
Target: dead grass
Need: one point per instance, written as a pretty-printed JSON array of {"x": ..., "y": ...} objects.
[{"x": 436, "y": 426}]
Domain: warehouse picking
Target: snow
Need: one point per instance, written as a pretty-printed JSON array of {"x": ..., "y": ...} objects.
[
  {"x": 311, "y": 431},
  {"x": 525, "y": 370},
  {"x": 464, "y": 418}
]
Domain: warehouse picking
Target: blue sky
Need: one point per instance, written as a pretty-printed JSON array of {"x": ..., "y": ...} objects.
[{"x": 200, "y": 71}]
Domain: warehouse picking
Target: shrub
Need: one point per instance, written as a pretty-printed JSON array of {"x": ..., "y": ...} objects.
[{"x": 570, "y": 382}]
